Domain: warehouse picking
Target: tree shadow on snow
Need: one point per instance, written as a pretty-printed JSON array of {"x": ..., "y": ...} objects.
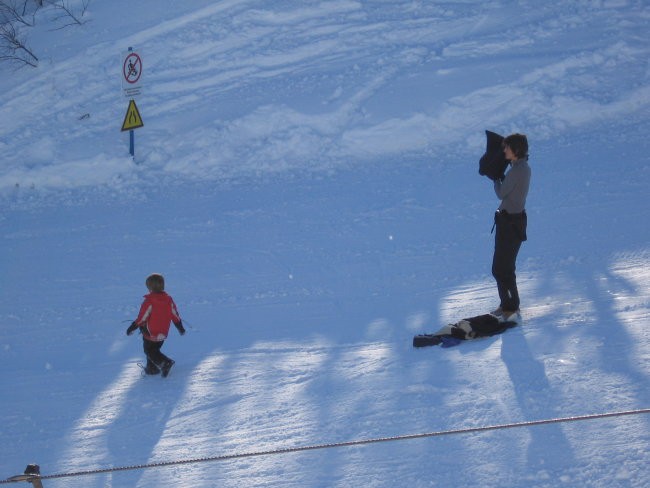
[{"x": 611, "y": 330}]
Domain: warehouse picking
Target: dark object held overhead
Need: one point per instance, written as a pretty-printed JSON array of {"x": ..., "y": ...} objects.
[{"x": 493, "y": 163}]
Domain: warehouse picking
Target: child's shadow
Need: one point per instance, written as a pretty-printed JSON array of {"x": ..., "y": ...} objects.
[
  {"x": 548, "y": 448},
  {"x": 147, "y": 407}
]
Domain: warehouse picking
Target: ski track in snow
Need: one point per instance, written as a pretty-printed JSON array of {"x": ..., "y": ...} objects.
[
  {"x": 302, "y": 177},
  {"x": 234, "y": 90}
]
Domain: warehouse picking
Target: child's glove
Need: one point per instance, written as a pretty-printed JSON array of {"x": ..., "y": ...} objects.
[
  {"x": 132, "y": 328},
  {"x": 181, "y": 329}
]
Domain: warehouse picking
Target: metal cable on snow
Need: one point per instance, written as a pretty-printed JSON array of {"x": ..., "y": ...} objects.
[{"x": 225, "y": 457}]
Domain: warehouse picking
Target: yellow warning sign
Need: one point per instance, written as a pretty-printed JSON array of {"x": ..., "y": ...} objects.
[{"x": 132, "y": 119}]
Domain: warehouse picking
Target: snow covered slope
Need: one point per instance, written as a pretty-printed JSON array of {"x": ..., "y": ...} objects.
[{"x": 307, "y": 181}]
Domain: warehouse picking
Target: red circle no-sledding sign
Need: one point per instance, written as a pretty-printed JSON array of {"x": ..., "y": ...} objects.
[{"x": 132, "y": 68}]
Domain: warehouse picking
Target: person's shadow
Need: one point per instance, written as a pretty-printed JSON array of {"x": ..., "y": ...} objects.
[{"x": 548, "y": 449}]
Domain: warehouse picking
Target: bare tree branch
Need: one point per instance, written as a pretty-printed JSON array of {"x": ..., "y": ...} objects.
[
  {"x": 67, "y": 13},
  {"x": 14, "y": 48},
  {"x": 17, "y": 15},
  {"x": 19, "y": 11}
]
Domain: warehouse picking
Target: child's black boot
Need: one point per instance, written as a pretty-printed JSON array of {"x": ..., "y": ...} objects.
[
  {"x": 167, "y": 365},
  {"x": 151, "y": 368}
]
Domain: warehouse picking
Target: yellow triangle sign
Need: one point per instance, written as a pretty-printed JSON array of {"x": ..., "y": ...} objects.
[{"x": 132, "y": 119}]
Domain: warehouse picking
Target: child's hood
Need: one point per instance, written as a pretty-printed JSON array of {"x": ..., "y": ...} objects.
[{"x": 162, "y": 297}]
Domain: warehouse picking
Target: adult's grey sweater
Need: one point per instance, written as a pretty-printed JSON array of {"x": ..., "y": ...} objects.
[{"x": 513, "y": 190}]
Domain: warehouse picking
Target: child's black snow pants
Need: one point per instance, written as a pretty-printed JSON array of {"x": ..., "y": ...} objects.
[
  {"x": 155, "y": 358},
  {"x": 510, "y": 233}
]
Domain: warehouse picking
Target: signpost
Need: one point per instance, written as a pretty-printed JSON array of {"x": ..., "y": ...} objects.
[{"x": 132, "y": 88}]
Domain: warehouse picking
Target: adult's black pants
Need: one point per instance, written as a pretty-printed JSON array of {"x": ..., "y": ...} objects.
[{"x": 510, "y": 233}]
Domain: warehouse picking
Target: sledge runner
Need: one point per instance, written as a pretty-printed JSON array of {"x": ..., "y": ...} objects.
[{"x": 156, "y": 314}]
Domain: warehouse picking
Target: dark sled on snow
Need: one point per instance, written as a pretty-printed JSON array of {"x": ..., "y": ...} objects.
[{"x": 466, "y": 329}]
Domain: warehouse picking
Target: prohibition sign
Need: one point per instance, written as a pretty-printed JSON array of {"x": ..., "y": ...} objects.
[{"x": 132, "y": 68}]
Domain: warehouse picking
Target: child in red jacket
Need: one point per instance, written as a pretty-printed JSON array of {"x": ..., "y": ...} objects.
[{"x": 156, "y": 313}]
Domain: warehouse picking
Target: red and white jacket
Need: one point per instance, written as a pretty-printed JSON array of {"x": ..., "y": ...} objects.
[{"x": 156, "y": 313}]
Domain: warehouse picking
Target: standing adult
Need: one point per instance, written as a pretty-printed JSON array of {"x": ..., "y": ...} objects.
[{"x": 510, "y": 221}]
